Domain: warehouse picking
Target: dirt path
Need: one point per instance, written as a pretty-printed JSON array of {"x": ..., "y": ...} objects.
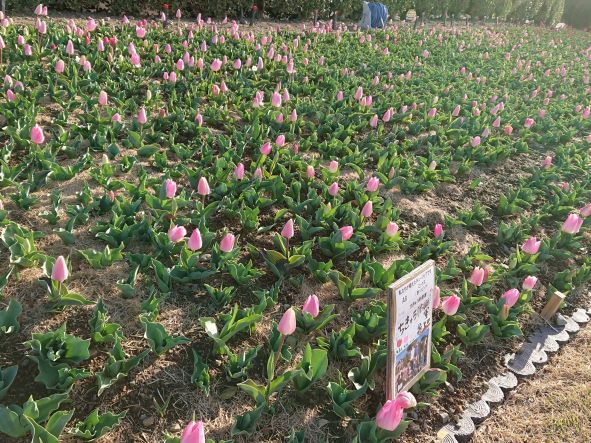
[{"x": 554, "y": 406}]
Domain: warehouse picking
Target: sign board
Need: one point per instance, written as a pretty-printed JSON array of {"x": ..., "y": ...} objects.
[{"x": 410, "y": 309}]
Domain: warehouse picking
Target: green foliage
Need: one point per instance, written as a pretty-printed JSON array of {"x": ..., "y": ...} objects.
[
  {"x": 9, "y": 317},
  {"x": 96, "y": 425},
  {"x": 7, "y": 376}
]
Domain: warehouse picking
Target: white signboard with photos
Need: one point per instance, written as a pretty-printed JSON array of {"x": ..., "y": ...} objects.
[{"x": 410, "y": 309}]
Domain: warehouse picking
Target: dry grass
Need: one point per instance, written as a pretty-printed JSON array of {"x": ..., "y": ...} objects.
[{"x": 554, "y": 406}]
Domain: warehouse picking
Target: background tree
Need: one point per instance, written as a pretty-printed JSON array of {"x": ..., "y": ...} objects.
[
  {"x": 502, "y": 9},
  {"x": 458, "y": 7},
  {"x": 577, "y": 13}
]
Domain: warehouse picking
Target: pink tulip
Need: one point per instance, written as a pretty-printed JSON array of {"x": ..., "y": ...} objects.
[
  {"x": 508, "y": 129},
  {"x": 170, "y": 188},
  {"x": 60, "y": 66},
  {"x": 531, "y": 246},
  {"x": 511, "y": 297},
  {"x": 258, "y": 174},
  {"x": 237, "y": 64},
  {"x": 456, "y": 111},
  {"x": 340, "y": 96},
  {"x": 333, "y": 167},
  {"x": 266, "y": 148},
  {"x": 195, "y": 241},
  {"x": 227, "y": 243},
  {"x": 276, "y": 99},
  {"x": 287, "y": 324},
  {"x": 586, "y": 210},
  {"x": 199, "y": 119},
  {"x": 37, "y": 136},
  {"x": 547, "y": 162},
  {"x": 477, "y": 277},
  {"x": 239, "y": 171},
  {"x": 310, "y": 173},
  {"x": 103, "y": 98},
  {"x": 373, "y": 122},
  {"x": 280, "y": 141},
  {"x": 529, "y": 283},
  {"x": 176, "y": 233},
  {"x": 178, "y": 14},
  {"x": 572, "y": 224},
  {"x": 287, "y": 231},
  {"x": 194, "y": 432},
  {"x": 358, "y": 93},
  {"x": 142, "y": 118},
  {"x": 391, "y": 229},
  {"x": 216, "y": 65},
  {"x": 346, "y": 232},
  {"x": 203, "y": 187},
  {"x": 450, "y": 305},
  {"x": 387, "y": 115},
  {"x": 293, "y": 116},
  {"x": 432, "y": 112},
  {"x": 60, "y": 270},
  {"x": 70, "y": 48},
  {"x": 475, "y": 141},
  {"x": 180, "y": 64},
  {"x": 312, "y": 306},
  {"x": 438, "y": 230},
  {"x": 436, "y": 297},
  {"x": 529, "y": 122},
  {"x": 406, "y": 400},
  {"x": 367, "y": 209},
  {"x": 497, "y": 123},
  {"x": 333, "y": 189},
  {"x": 373, "y": 184},
  {"x": 389, "y": 416}
]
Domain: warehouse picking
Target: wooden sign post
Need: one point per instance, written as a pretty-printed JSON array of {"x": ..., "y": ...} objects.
[
  {"x": 552, "y": 306},
  {"x": 410, "y": 309}
]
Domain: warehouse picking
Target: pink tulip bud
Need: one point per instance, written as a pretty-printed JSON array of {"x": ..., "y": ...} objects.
[
  {"x": 310, "y": 173},
  {"x": 497, "y": 122},
  {"x": 287, "y": 324},
  {"x": 70, "y": 48},
  {"x": 227, "y": 243},
  {"x": 60, "y": 66},
  {"x": 239, "y": 171},
  {"x": 389, "y": 416},
  {"x": 287, "y": 231},
  {"x": 195, "y": 242},
  {"x": 436, "y": 297},
  {"x": 367, "y": 209},
  {"x": 438, "y": 230},
  {"x": 203, "y": 187},
  {"x": 280, "y": 141},
  {"x": 529, "y": 283},
  {"x": 333, "y": 189},
  {"x": 511, "y": 297},
  {"x": 266, "y": 148},
  {"x": 294, "y": 116},
  {"x": 547, "y": 161},
  {"x": 276, "y": 99},
  {"x": 529, "y": 122},
  {"x": 531, "y": 246},
  {"x": 312, "y": 306},
  {"x": 586, "y": 210},
  {"x": 373, "y": 122},
  {"x": 237, "y": 64},
  {"x": 142, "y": 119},
  {"x": 199, "y": 119},
  {"x": 216, "y": 65},
  {"x": 60, "y": 270},
  {"x": 456, "y": 111},
  {"x": 170, "y": 188},
  {"x": 450, "y": 305},
  {"x": 258, "y": 174},
  {"x": 432, "y": 113},
  {"x": 475, "y": 141},
  {"x": 333, "y": 167},
  {"x": 391, "y": 229},
  {"x": 340, "y": 96},
  {"x": 358, "y": 93},
  {"x": 477, "y": 277},
  {"x": 508, "y": 129},
  {"x": 37, "y": 136},
  {"x": 373, "y": 184},
  {"x": 406, "y": 400},
  {"x": 103, "y": 98},
  {"x": 178, "y": 14},
  {"x": 116, "y": 118},
  {"x": 176, "y": 233},
  {"x": 346, "y": 232},
  {"x": 194, "y": 432},
  {"x": 572, "y": 224}
]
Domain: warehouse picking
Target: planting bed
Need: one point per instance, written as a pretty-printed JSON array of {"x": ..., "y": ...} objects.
[{"x": 202, "y": 180}]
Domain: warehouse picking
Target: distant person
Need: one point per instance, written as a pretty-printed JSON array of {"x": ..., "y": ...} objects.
[{"x": 375, "y": 15}]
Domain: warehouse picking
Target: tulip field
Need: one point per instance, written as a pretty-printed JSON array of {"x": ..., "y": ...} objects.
[{"x": 199, "y": 221}]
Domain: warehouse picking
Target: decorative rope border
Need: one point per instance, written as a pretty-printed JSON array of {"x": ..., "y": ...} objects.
[{"x": 547, "y": 339}]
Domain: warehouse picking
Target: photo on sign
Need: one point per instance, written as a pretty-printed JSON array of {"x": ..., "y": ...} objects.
[{"x": 411, "y": 361}]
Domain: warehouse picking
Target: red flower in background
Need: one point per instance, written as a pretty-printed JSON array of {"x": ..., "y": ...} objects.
[
  {"x": 165, "y": 6},
  {"x": 255, "y": 8}
]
